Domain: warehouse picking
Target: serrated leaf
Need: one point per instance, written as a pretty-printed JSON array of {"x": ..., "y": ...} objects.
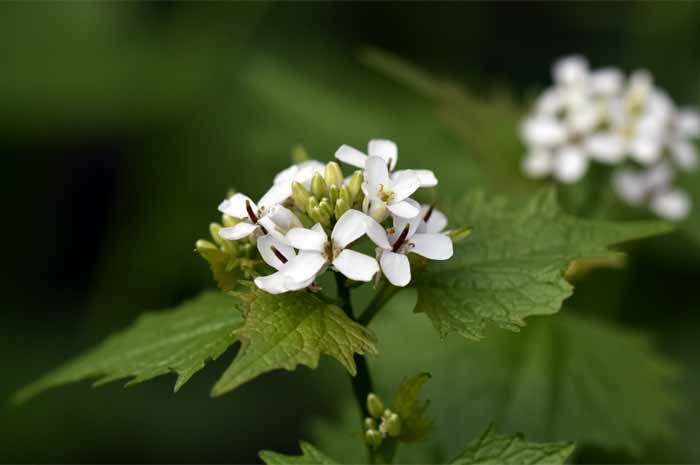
[
  {"x": 492, "y": 448},
  {"x": 411, "y": 409},
  {"x": 309, "y": 456},
  {"x": 180, "y": 341},
  {"x": 512, "y": 265},
  {"x": 286, "y": 330}
]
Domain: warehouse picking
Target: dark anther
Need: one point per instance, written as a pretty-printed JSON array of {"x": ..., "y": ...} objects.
[
  {"x": 278, "y": 254},
  {"x": 251, "y": 213},
  {"x": 399, "y": 241},
  {"x": 429, "y": 213}
]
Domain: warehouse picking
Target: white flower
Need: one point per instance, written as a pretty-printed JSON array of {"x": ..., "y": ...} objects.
[
  {"x": 403, "y": 239},
  {"x": 653, "y": 188},
  {"x": 381, "y": 191},
  {"x": 387, "y": 151},
  {"x": 570, "y": 70},
  {"x": 291, "y": 268},
  {"x": 319, "y": 251},
  {"x": 672, "y": 205},
  {"x": 432, "y": 220},
  {"x": 301, "y": 173},
  {"x": 263, "y": 217}
]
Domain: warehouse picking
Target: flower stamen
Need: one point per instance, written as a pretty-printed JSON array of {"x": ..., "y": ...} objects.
[
  {"x": 429, "y": 213},
  {"x": 278, "y": 254},
  {"x": 400, "y": 240}
]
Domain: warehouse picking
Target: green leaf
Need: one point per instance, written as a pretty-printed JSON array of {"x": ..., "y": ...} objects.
[
  {"x": 562, "y": 378},
  {"x": 512, "y": 265},
  {"x": 415, "y": 425},
  {"x": 285, "y": 330},
  {"x": 178, "y": 341},
  {"x": 492, "y": 448},
  {"x": 309, "y": 456}
]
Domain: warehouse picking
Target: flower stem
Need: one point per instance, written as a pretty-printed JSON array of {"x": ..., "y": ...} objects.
[{"x": 384, "y": 294}]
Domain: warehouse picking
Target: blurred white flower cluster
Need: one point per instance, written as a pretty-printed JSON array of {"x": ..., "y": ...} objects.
[
  {"x": 312, "y": 216},
  {"x": 625, "y": 122}
]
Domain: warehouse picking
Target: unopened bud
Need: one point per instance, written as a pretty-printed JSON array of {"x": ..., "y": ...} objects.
[
  {"x": 370, "y": 423},
  {"x": 313, "y": 203},
  {"x": 214, "y": 233},
  {"x": 375, "y": 406},
  {"x": 345, "y": 195},
  {"x": 229, "y": 221},
  {"x": 375, "y": 209},
  {"x": 355, "y": 184},
  {"x": 206, "y": 249},
  {"x": 300, "y": 196},
  {"x": 333, "y": 194},
  {"x": 392, "y": 425},
  {"x": 318, "y": 186},
  {"x": 319, "y": 216},
  {"x": 299, "y": 154},
  {"x": 334, "y": 175},
  {"x": 325, "y": 207},
  {"x": 340, "y": 208},
  {"x": 373, "y": 437},
  {"x": 459, "y": 234}
]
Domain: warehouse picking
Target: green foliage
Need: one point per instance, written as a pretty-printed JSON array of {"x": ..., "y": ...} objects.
[
  {"x": 492, "y": 448},
  {"x": 513, "y": 264},
  {"x": 561, "y": 378},
  {"x": 285, "y": 330},
  {"x": 310, "y": 456},
  {"x": 177, "y": 341},
  {"x": 415, "y": 425}
]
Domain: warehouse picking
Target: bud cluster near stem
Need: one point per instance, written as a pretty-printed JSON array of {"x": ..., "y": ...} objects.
[{"x": 382, "y": 423}]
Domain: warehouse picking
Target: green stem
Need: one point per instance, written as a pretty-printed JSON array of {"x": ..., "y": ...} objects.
[{"x": 384, "y": 294}]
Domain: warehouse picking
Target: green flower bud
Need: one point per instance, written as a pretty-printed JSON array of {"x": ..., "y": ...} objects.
[
  {"x": 229, "y": 221},
  {"x": 299, "y": 154},
  {"x": 333, "y": 194},
  {"x": 319, "y": 216},
  {"x": 345, "y": 195},
  {"x": 375, "y": 406},
  {"x": 370, "y": 423},
  {"x": 325, "y": 207},
  {"x": 392, "y": 425},
  {"x": 341, "y": 207},
  {"x": 459, "y": 234},
  {"x": 334, "y": 175},
  {"x": 355, "y": 184},
  {"x": 300, "y": 196},
  {"x": 214, "y": 233},
  {"x": 318, "y": 186},
  {"x": 373, "y": 438},
  {"x": 313, "y": 203},
  {"x": 207, "y": 250}
]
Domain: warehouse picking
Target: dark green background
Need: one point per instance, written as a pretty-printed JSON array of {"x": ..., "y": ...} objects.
[{"x": 122, "y": 125}]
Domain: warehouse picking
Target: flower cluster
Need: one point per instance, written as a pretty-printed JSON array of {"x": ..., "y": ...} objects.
[
  {"x": 603, "y": 116},
  {"x": 313, "y": 216}
]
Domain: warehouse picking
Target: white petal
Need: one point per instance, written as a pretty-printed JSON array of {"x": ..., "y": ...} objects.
[
  {"x": 404, "y": 209},
  {"x": 607, "y": 81},
  {"x": 236, "y": 206},
  {"x": 350, "y": 227},
  {"x": 356, "y": 265},
  {"x": 376, "y": 174},
  {"x": 265, "y": 244},
  {"x": 435, "y": 224},
  {"x": 630, "y": 186},
  {"x": 432, "y": 246},
  {"x": 646, "y": 150},
  {"x": 570, "y": 165},
  {"x": 307, "y": 239},
  {"x": 384, "y": 149},
  {"x": 351, "y": 156},
  {"x": 583, "y": 118},
  {"x": 606, "y": 147},
  {"x": 672, "y": 205},
  {"x": 277, "y": 194},
  {"x": 688, "y": 123},
  {"x": 543, "y": 131},
  {"x": 658, "y": 177},
  {"x": 304, "y": 266},
  {"x": 425, "y": 177},
  {"x": 280, "y": 282},
  {"x": 239, "y": 231},
  {"x": 396, "y": 268},
  {"x": 283, "y": 218},
  {"x": 570, "y": 70},
  {"x": 286, "y": 175},
  {"x": 550, "y": 101},
  {"x": 399, "y": 223},
  {"x": 377, "y": 234},
  {"x": 404, "y": 184},
  {"x": 537, "y": 164},
  {"x": 307, "y": 170},
  {"x": 685, "y": 155}
]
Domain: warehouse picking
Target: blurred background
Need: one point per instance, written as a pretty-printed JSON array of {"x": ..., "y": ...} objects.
[{"x": 123, "y": 125}]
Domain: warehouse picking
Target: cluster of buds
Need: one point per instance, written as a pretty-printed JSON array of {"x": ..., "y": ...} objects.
[
  {"x": 312, "y": 215},
  {"x": 381, "y": 423},
  {"x": 626, "y": 123}
]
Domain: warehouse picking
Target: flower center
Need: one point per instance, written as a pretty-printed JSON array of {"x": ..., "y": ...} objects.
[
  {"x": 331, "y": 251},
  {"x": 384, "y": 196}
]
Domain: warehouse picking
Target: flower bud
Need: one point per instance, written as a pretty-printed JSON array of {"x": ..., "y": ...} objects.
[
  {"x": 325, "y": 207},
  {"x": 459, "y": 234},
  {"x": 214, "y": 232},
  {"x": 318, "y": 186},
  {"x": 313, "y": 203},
  {"x": 392, "y": 425},
  {"x": 370, "y": 423},
  {"x": 340, "y": 208},
  {"x": 375, "y": 406},
  {"x": 355, "y": 184},
  {"x": 300, "y": 196},
  {"x": 334, "y": 175},
  {"x": 376, "y": 210},
  {"x": 333, "y": 194},
  {"x": 345, "y": 195},
  {"x": 229, "y": 221},
  {"x": 299, "y": 154},
  {"x": 319, "y": 216},
  {"x": 373, "y": 437}
]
